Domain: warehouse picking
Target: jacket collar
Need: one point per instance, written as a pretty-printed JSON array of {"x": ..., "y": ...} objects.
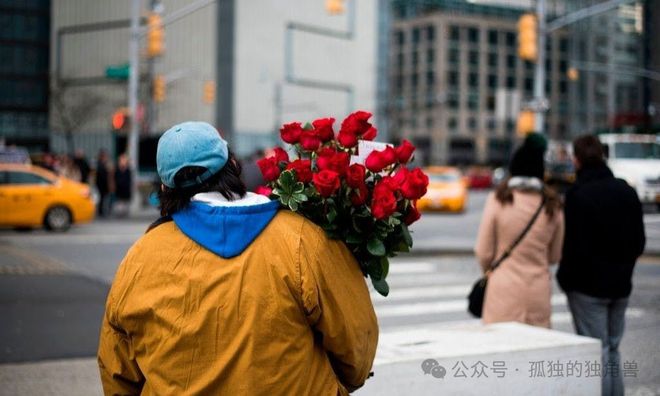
[{"x": 592, "y": 173}]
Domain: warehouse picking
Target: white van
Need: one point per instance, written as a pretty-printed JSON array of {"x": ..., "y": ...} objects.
[{"x": 636, "y": 159}]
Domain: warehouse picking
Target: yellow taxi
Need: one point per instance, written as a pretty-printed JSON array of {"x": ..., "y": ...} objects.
[
  {"x": 447, "y": 190},
  {"x": 31, "y": 196}
]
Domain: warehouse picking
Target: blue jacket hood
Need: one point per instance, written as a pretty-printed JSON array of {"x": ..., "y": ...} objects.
[{"x": 225, "y": 230}]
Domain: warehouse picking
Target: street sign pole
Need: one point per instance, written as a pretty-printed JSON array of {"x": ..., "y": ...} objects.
[
  {"x": 133, "y": 85},
  {"x": 539, "y": 71}
]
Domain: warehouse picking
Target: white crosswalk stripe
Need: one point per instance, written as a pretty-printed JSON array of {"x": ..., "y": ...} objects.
[{"x": 421, "y": 292}]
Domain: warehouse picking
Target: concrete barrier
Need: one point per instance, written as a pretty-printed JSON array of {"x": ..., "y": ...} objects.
[{"x": 497, "y": 359}]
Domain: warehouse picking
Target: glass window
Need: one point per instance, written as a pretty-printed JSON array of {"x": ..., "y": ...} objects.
[
  {"x": 492, "y": 60},
  {"x": 510, "y": 39},
  {"x": 430, "y": 78},
  {"x": 491, "y": 124},
  {"x": 414, "y": 79},
  {"x": 529, "y": 85},
  {"x": 473, "y": 101},
  {"x": 473, "y": 57},
  {"x": 452, "y": 100},
  {"x": 511, "y": 61},
  {"x": 492, "y": 37},
  {"x": 473, "y": 80},
  {"x": 415, "y": 35},
  {"x": 454, "y": 33},
  {"x": 473, "y": 35},
  {"x": 452, "y": 79},
  {"x": 490, "y": 102},
  {"x": 452, "y": 123},
  {"x": 472, "y": 123},
  {"x": 429, "y": 122},
  {"x": 430, "y": 33},
  {"x": 399, "y": 61},
  {"x": 415, "y": 58},
  {"x": 430, "y": 56},
  {"x": 400, "y": 37},
  {"x": 453, "y": 55},
  {"x": 563, "y": 45},
  {"x": 563, "y": 86},
  {"x": 25, "y": 178},
  {"x": 510, "y": 82},
  {"x": 492, "y": 81},
  {"x": 563, "y": 66}
]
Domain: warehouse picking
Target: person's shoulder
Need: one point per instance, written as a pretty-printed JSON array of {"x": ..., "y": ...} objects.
[{"x": 291, "y": 224}]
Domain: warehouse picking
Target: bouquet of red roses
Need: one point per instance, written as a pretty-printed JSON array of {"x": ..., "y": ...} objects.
[{"x": 358, "y": 191}]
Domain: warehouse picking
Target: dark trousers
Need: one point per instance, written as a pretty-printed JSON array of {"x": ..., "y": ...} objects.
[{"x": 602, "y": 318}]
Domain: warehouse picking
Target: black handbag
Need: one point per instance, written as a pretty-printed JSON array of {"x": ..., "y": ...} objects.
[{"x": 478, "y": 293}]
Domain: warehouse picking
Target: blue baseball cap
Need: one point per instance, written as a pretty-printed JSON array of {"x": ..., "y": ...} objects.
[{"x": 191, "y": 143}]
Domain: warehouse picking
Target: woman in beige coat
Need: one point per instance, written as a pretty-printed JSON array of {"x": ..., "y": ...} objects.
[{"x": 520, "y": 288}]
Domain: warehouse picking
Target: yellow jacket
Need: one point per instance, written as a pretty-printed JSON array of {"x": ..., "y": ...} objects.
[{"x": 290, "y": 315}]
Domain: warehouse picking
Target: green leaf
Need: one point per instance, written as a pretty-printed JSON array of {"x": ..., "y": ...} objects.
[
  {"x": 308, "y": 126},
  {"x": 402, "y": 247},
  {"x": 287, "y": 181},
  {"x": 385, "y": 267},
  {"x": 299, "y": 197},
  {"x": 298, "y": 188},
  {"x": 293, "y": 205},
  {"x": 381, "y": 286},
  {"x": 376, "y": 247},
  {"x": 406, "y": 235},
  {"x": 332, "y": 215},
  {"x": 354, "y": 239}
]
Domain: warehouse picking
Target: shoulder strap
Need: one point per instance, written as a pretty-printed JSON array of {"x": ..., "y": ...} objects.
[{"x": 515, "y": 243}]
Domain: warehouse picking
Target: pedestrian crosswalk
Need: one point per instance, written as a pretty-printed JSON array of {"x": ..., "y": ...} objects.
[{"x": 434, "y": 291}]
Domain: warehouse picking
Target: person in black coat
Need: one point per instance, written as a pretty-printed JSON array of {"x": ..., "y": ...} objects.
[{"x": 604, "y": 238}]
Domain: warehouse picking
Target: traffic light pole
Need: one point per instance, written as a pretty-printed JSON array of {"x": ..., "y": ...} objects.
[
  {"x": 539, "y": 71},
  {"x": 133, "y": 85}
]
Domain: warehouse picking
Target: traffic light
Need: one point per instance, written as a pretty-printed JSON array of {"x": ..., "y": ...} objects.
[
  {"x": 120, "y": 119},
  {"x": 525, "y": 124},
  {"x": 159, "y": 89},
  {"x": 155, "y": 35},
  {"x": 528, "y": 37},
  {"x": 334, "y": 7},
  {"x": 209, "y": 92}
]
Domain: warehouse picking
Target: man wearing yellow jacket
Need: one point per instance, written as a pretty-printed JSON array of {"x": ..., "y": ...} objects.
[{"x": 232, "y": 296}]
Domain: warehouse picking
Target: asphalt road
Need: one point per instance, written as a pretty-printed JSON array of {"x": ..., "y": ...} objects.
[{"x": 53, "y": 288}]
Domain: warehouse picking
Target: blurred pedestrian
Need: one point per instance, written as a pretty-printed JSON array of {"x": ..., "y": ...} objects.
[
  {"x": 227, "y": 295},
  {"x": 604, "y": 239},
  {"x": 83, "y": 165},
  {"x": 251, "y": 173},
  {"x": 123, "y": 185},
  {"x": 520, "y": 288},
  {"x": 103, "y": 182},
  {"x": 68, "y": 168}
]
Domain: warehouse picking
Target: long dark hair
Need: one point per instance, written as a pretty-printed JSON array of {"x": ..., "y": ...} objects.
[
  {"x": 227, "y": 182},
  {"x": 504, "y": 195}
]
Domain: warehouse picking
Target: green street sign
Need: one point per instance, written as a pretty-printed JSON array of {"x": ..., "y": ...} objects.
[{"x": 118, "y": 72}]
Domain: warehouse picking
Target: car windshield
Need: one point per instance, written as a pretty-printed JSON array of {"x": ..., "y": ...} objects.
[
  {"x": 637, "y": 150},
  {"x": 443, "y": 177}
]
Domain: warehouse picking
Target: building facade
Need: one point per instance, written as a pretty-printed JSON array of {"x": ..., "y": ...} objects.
[
  {"x": 457, "y": 83},
  {"x": 24, "y": 85},
  {"x": 272, "y": 61}
]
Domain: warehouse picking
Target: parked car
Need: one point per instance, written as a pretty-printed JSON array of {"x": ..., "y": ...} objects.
[
  {"x": 31, "y": 197},
  {"x": 480, "y": 177},
  {"x": 447, "y": 190}
]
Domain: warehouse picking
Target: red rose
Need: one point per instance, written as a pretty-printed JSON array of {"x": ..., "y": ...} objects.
[
  {"x": 413, "y": 214},
  {"x": 303, "y": 169},
  {"x": 290, "y": 133},
  {"x": 269, "y": 168},
  {"x": 391, "y": 183},
  {"x": 347, "y": 140},
  {"x": 356, "y": 124},
  {"x": 401, "y": 175},
  {"x": 326, "y": 182},
  {"x": 383, "y": 202},
  {"x": 404, "y": 152},
  {"x": 280, "y": 154},
  {"x": 389, "y": 156},
  {"x": 370, "y": 134},
  {"x": 310, "y": 141},
  {"x": 359, "y": 196},
  {"x": 415, "y": 185},
  {"x": 323, "y": 128},
  {"x": 375, "y": 161},
  {"x": 263, "y": 190},
  {"x": 355, "y": 175},
  {"x": 329, "y": 159}
]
